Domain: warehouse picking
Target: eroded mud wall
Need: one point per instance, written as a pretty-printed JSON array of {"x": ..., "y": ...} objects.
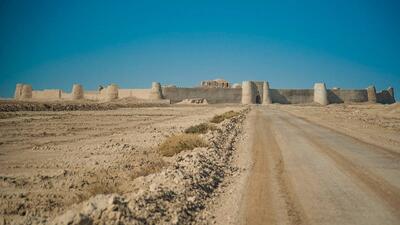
[
  {"x": 213, "y": 95},
  {"x": 342, "y": 95},
  {"x": 291, "y": 96},
  {"x": 49, "y": 94},
  {"x": 386, "y": 96},
  {"x": 134, "y": 93}
]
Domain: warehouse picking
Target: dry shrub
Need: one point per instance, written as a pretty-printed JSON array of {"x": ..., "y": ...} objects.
[
  {"x": 148, "y": 168},
  {"x": 98, "y": 185},
  {"x": 103, "y": 187},
  {"x": 177, "y": 143},
  {"x": 224, "y": 116},
  {"x": 200, "y": 128}
]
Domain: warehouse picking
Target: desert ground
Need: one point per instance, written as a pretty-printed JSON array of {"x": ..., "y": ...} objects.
[{"x": 267, "y": 164}]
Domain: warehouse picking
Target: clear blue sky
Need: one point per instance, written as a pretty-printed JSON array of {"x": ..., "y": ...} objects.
[{"x": 292, "y": 44}]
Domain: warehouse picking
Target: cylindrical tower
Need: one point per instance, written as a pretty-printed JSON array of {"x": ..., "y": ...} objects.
[
  {"x": 320, "y": 94},
  {"x": 77, "y": 92},
  {"x": 266, "y": 95},
  {"x": 18, "y": 91},
  {"x": 156, "y": 91},
  {"x": 112, "y": 92},
  {"x": 248, "y": 92},
  {"x": 26, "y": 92},
  {"x": 371, "y": 91}
]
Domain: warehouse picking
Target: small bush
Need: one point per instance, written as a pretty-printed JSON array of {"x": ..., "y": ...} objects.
[
  {"x": 200, "y": 128},
  {"x": 224, "y": 116},
  {"x": 177, "y": 143}
]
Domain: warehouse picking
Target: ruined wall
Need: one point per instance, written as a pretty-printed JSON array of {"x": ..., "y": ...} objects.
[
  {"x": 385, "y": 97},
  {"x": 291, "y": 96},
  {"x": 213, "y": 95},
  {"x": 342, "y": 96},
  {"x": 47, "y": 94}
]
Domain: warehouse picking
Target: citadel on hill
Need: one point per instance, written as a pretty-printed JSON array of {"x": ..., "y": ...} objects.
[{"x": 214, "y": 91}]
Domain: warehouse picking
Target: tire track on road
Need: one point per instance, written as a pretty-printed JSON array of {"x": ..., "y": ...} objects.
[
  {"x": 376, "y": 147},
  {"x": 383, "y": 189},
  {"x": 269, "y": 168}
]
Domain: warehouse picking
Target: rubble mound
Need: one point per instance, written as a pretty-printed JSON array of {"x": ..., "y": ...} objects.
[
  {"x": 194, "y": 101},
  {"x": 15, "y": 106}
]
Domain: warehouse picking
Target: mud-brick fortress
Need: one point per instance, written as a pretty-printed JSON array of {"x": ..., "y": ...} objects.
[{"x": 214, "y": 91}]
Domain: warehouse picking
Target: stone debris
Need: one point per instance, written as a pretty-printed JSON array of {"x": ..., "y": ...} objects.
[
  {"x": 195, "y": 101},
  {"x": 15, "y": 106}
]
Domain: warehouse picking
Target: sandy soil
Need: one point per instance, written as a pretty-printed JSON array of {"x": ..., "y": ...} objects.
[
  {"x": 372, "y": 123},
  {"x": 52, "y": 160}
]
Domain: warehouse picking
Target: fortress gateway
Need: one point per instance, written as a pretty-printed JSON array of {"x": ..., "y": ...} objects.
[{"x": 215, "y": 91}]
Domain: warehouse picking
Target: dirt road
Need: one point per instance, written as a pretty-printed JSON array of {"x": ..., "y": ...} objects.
[{"x": 304, "y": 173}]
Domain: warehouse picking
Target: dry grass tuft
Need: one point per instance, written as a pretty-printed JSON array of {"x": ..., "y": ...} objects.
[
  {"x": 103, "y": 188},
  {"x": 177, "y": 143},
  {"x": 201, "y": 128},
  {"x": 100, "y": 184},
  {"x": 224, "y": 116}
]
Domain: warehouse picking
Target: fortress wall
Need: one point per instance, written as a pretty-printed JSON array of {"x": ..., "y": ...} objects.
[
  {"x": 136, "y": 93},
  {"x": 291, "y": 96},
  {"x": 213, "y": 95},
  {"x": 342, "y": 96},
  {"x": 124, "y": 93},
  {"x": 66, "y": 95},
  {"x": 47, "y": 94},
  {"x": 92, "y": 95}
]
